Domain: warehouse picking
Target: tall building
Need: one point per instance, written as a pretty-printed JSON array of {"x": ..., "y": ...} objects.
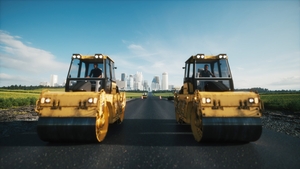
[
  {"x": 164, "y": 81},
  {"x": 123, "y": 77},
  {"x": 138, "y": 79},
  {"x": 123, "y": 82},
  {"x": 145, "y": 85},
  {"x": 53, "y": 81},
  {"x": 130, "y": 82},
  {"x": 155, "y": 83}
]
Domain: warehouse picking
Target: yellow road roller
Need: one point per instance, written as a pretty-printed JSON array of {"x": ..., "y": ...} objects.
[
  {"x": 208, "y": 102},
  {"x": 91, "y": 101}
]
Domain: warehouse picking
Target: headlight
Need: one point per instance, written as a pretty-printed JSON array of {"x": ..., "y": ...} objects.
[
  {"x": 206, "y": 100},
  {"x": 92, "y": 100},
  {"x": 253, "y": 100},
  {"x": 45, "y": 100}
]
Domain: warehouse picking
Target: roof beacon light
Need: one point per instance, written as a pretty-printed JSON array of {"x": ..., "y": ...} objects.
[
  {"x": 98, "y": 56},
  {"x": 76, "y": 56},
  {"x": 200, "y": 56},
  {"x": 222, "y": 56}
]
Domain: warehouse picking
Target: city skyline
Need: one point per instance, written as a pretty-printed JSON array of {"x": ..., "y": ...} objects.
[
  {"x": 132, "y": 82},
  {"x": 136, "y": 82}
]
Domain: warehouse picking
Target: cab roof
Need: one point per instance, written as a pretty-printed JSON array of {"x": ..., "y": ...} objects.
[
  {"x": 91, "y": 57},
  {"x": 200, "y": 57}
]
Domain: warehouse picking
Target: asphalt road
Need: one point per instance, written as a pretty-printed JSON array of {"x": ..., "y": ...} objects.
[{"x": 150, "y": 138}]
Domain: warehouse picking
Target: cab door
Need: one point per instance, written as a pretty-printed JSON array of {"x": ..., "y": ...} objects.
[{"x": 108, "y": 76}]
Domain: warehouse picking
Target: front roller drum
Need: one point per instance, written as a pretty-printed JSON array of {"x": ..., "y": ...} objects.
[
  {"x": 245, "y": 129},
  {"x": 62, "y": 129}
]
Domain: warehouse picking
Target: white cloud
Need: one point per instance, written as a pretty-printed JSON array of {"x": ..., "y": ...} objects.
[
  {"x": 25, "y": 64},
  {"x": 135, "y": 47},
  {"x": 5, "y": 76}
]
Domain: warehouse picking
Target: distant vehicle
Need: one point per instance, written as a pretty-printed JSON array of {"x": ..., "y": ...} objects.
[
  {"x": 207, "y": 101},
  {"x": 145, "y": 95}
]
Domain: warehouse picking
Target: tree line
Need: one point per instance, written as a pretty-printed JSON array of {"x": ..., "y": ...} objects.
[{"x": 20, "y": 87}]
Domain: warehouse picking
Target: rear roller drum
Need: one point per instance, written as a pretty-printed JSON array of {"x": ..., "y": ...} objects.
[
  {"x": 122, "y": 115},
  {"x": 120, "y": 108},
  {"x": 102, "y": 124},
  {"x": 122, "y": 111},
  {"x": 196, "y": 124}
]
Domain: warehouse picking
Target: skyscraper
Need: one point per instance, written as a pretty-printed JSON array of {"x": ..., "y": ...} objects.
[
  {"x": 123, "y": 83},
  {"x": 53, "y": 80},
  {"x": 123, "y": 77},
  {"x": 145, "y": 85},
  {"x": 164, "y": 82},
  {"x": 138, "y": 78},
  {"x": 130, "y": 83},
  {"x": 155, "y": 83}
]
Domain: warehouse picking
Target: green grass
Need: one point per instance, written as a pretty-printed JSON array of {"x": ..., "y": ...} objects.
[
  {"x": 281, "y": 101},
  {"x": 134, "y": 94},
  {"x": 275, "y": 101},
  {"x": 15, "y": 98},
  {"x": 163, "y": 94}
]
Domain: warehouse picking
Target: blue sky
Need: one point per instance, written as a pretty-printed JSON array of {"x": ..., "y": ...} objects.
[{"x": 261, "y": 38}]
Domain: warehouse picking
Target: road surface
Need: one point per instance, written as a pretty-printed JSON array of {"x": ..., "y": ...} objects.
[{"x": 149, "y": 137}]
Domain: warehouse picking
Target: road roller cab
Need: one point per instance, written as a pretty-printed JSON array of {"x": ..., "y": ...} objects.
[
  {"x": 207, "y": 101},
  {"x": 90, "y": 103}
]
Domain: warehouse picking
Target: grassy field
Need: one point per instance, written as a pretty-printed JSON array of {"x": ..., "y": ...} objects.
[
  {"x": 163, "y": 94},
  {"x": 281, "y": 101},
  {"x": 16, "y": 98},
  {"x": 275, "y": 101},
  {"x": 134, "y": 94}
]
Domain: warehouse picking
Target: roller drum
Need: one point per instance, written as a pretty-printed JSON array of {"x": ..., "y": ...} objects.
[
  {"x": 231, "y": 129},
  {"x": 52, "y": 129}
]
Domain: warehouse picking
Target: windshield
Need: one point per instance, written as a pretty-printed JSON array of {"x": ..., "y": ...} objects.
[
  {"x": 85, "y": 75},
  {"x": 212, "y": 75},
  {"x": 85, "y": 68},
  {"x": 214, "y": 68}
]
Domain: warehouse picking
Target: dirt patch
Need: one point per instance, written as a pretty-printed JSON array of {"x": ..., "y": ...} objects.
[{"x": 25, "y": 113}]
